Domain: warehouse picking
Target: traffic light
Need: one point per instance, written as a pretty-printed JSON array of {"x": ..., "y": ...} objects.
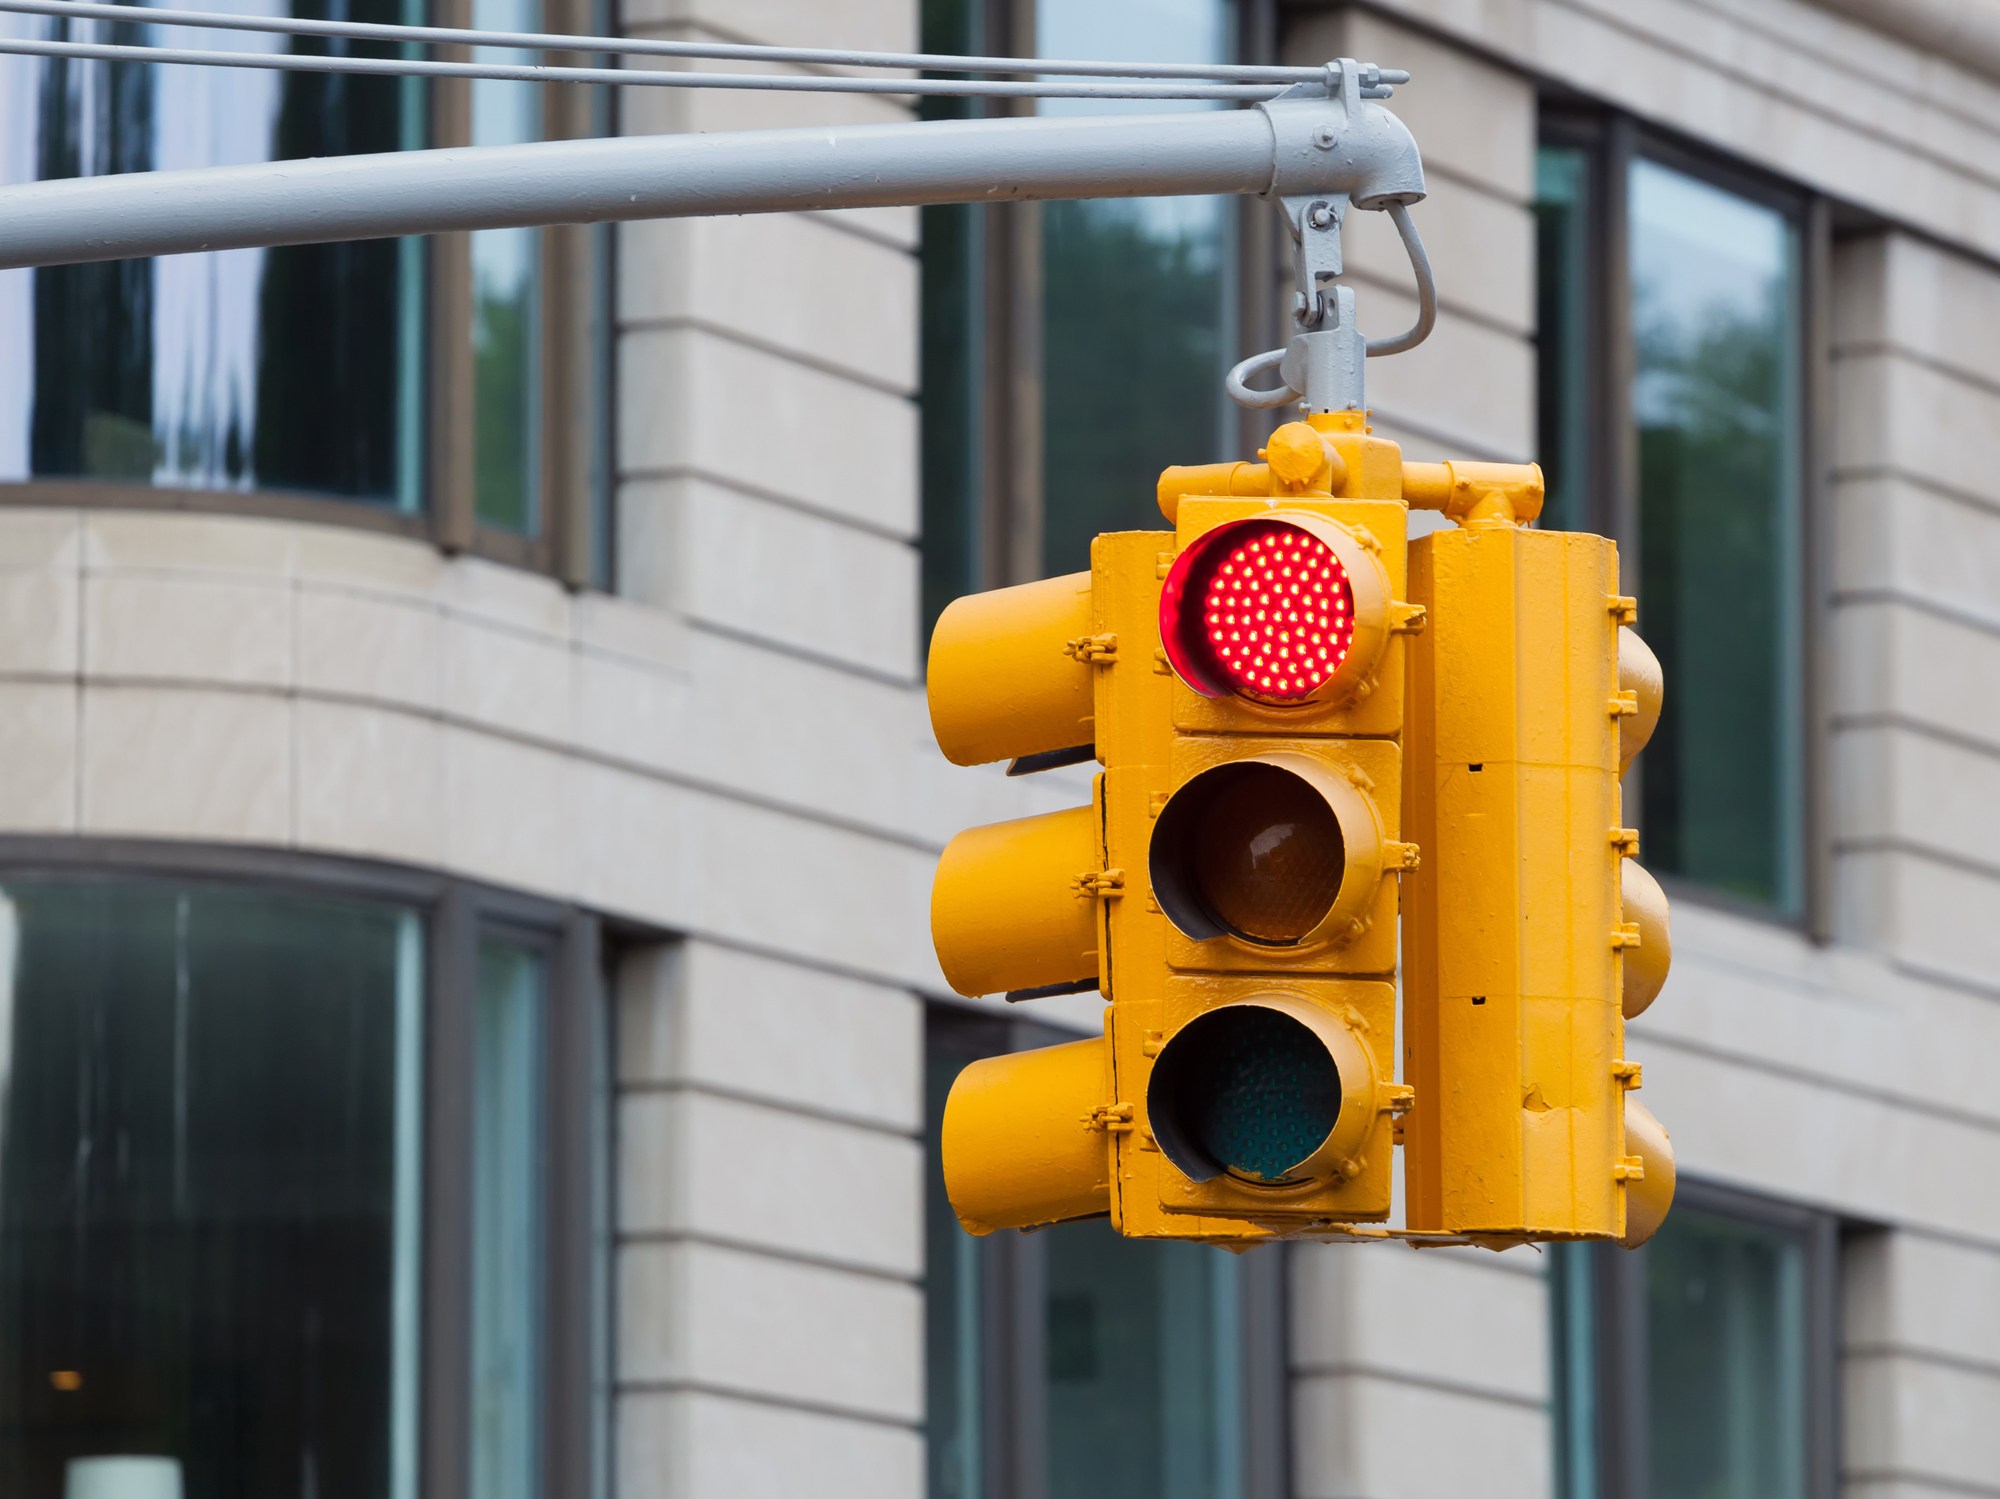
[{"x": 1529, "y": 935}]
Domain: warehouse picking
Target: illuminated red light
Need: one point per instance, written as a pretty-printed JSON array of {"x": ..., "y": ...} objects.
[{"x": 1264, "y": 610}]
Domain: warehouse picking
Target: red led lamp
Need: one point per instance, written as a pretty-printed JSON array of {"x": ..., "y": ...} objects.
[{"x": 1268, "y": 609}]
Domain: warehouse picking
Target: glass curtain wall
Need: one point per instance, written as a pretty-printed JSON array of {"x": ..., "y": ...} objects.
[
  {"x": 1714, "y": 537},
  {"x": 1108, "y": 324},
  {"x": 1713, "y": 1379},
  {"x": 506, "y": 299},
  {"x": 1138, "y": 306},
  {"x": 1715, "y": 398},
  {"x": 1073, "y": 1362},
  {"x": 296, "y": 368},
  {"x": 507, "y": 1091},
  {"x": 210, "y": 1134}
]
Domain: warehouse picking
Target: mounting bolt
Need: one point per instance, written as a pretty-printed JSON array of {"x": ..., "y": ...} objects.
[
  {"x": 1319, "y": 216},
  {"x": 1325, "y": 136}
]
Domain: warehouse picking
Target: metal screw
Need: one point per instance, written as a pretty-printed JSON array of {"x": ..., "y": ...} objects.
[
  {"x": 1320, "y": 216},
  {"x": 1325, "y": 136}
]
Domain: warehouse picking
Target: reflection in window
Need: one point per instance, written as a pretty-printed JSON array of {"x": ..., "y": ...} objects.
[
  {"x": 295, "y": 368},
  {"x": 209, "y": 1146},
  {"x": 506, "y": 1220},
  {"x": 1725, "y": 1335},
  {"x": 1715, "y": 309},
  {"x": 1705, "y": 1397},
  {"x": 1137, "y": 303},
  {"x": 1562, "y": 281},
  {"x": 506, "y": 296}
]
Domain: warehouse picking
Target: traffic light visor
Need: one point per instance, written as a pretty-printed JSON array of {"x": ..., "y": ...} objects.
[
  {"x": 1278, "y": 609},
  {"x": 1274, "y": 1091},
  {"x": 1275, "y": 851}
]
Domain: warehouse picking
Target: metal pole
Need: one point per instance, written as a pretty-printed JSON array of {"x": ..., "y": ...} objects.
[{"x": 590, "y": 181}]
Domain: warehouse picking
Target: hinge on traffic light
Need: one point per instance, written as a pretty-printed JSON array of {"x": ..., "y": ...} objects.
[
  {"x": 1161, "y": 665},
  {"x": 1092, "y": 650},
  {"x": 1103, "y": 884},
  {"x": 1628, "y": 1168},
  {"x": 1624, "y": 609},
  {"x": 1397, "y": 1098},
  {"x": 1165, "y": 564},
  {"x": 1624, "y": 704},
  {"x": 1407, "y": 619},
  {"x": 1629, "y": 1074},
  {"x": 1114, "y": 1118},
  {"x": 1626, "y": 935},
  {"x": 1626, "y": 841},
  {"x": 1401, "y": 856}
]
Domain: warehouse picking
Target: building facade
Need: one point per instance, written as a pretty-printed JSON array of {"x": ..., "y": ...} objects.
[{"x": 469, "y": 808}]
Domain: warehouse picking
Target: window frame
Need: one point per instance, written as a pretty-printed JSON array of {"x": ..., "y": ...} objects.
[
  {"x": 1616, "y": 1297},
  {"x": 575, "y": 1166},
  {"x": 1013, "y": 1334},
  {"x": 572, "y": 541},
  {"x": 1612, "y": 141}
]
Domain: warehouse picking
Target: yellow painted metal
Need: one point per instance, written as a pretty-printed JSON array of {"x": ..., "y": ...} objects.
[
  {"x": 1650, "y": 1190},
  {"x": 1512, "y": 932},
  {"x": 1014, "y": 904},
  {"x": 1638, "y": 674},
  {"x": 1645, "y": 911},
  {"x": 1024, "y": 1138},
  {"x": 1010, "y": 671}
]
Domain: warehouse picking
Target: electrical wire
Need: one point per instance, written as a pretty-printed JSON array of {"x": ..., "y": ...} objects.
[{"x": 1197, "y": 80}]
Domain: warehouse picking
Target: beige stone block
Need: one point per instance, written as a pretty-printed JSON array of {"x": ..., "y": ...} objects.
[
  {"x": 1935, "y": 915},
  {"x": 172, "y": 762},
  {"x": 628, "y": 630},
  {"x": 39, "y": 620},
  {"x": 1468, "y": 116},
  {"x": 1916, "y": 420},
  {"x": 348, "y": 558},
  {"x": 1355, "y": 1435},
  {"x": 725, "y": 1319},
  {"x": 510, "y": 597},
  {"x": 38, "y": 732},
  {"x": 188, "y": 541},
  {"x": 1384, "y": 1308},
  {"x": 371, "y": 646},
  {"x": 1467, "y": 384},
  {"x": 834, "y": 1193},
  {"x": 641, "y": 846},
  {"x": 1892, "y": 534},
  {"x": 1481, "y": 249},
  {"x": 688, "y": 401},
  {"x": 36, "y": 539},
  {"x": 632, "y": 711},
  {"x": 792, "y": 884},
  {"x": 692, "y": 1445},
  {"x": 508, "y": 812},
  {"x": 1893, "y": 784},
  {"x": 507, "y": 680},
  {"x": 1922, "y": 1296},
  {"x": 751, "y": 276},
  {"x": 1893, "y": 660},
  {"x": 370, "y": 783},
  {"x": 188, "y": 628},
  {"x": 648, "y": 521},
  {"x": 766, "y": 570},
  {"x": 1921, "y": 1419},
  {"x": 1894, "y": 289},
  {"x": 757, "y": 1027}
]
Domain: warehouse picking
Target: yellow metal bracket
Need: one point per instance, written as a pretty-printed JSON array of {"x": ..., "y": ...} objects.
[
  {"x": 1626, "y": 935},
  {"x": 1624, "y": 609},
  {"x": 1112, "y": 1118},
  {"x": 1103, "y": 884},
  {"x": 1092, "y": 650},
  {"x": 1624, "y": 705},
  {"x": 1630, "y": 1168},
  {"x": 1626, "y": 841},
  {"x": 1401, "y": 856},
  {"x": 1407, "y": 619},
  {"x": 1630, "y": 1075}
]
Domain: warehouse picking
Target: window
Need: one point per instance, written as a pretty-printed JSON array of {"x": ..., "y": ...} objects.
[
  {"x": 1070, "y": 350},
  {"x": 1700, "y": 1366},
  {"x": 1692, "y": 459},
  {"x": 434, "y": 387},
  {"x": 296, "y": 1181},
  {"x": 1075, "y": 1363}
]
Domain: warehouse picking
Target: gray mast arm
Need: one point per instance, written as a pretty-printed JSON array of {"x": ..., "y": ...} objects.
[{"x": 590, "y": 181}]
